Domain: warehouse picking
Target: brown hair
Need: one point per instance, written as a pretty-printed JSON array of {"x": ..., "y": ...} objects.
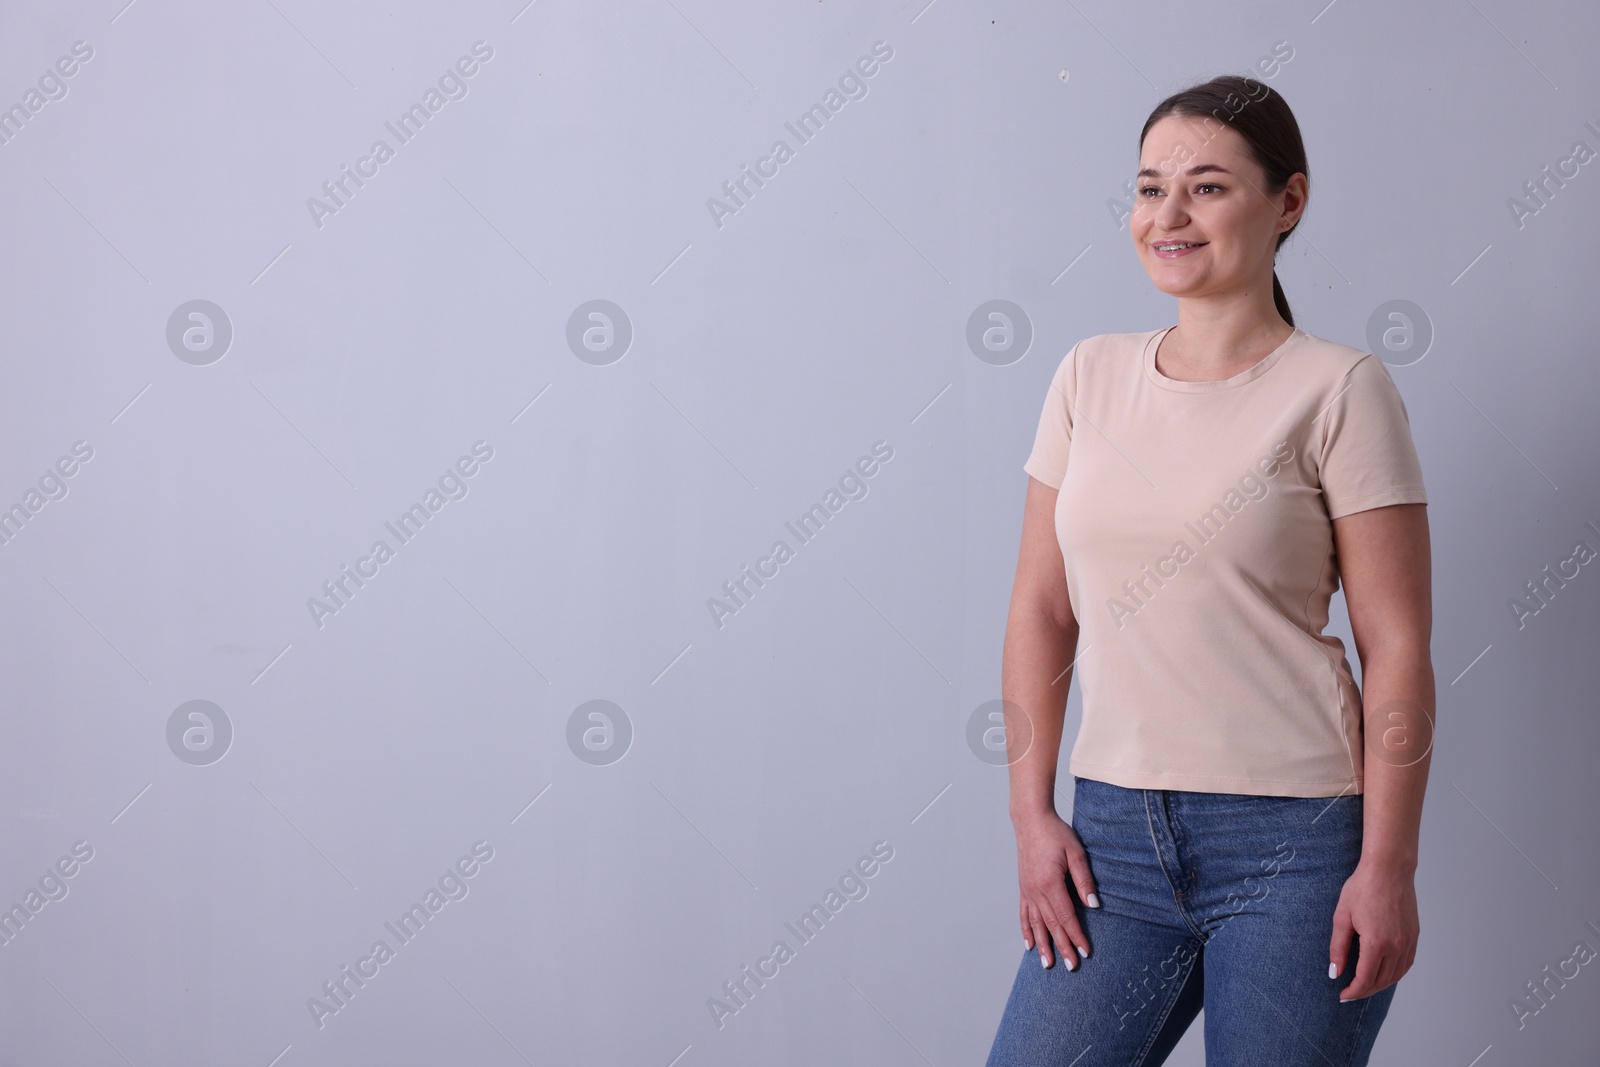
[{"x": 1263, "y": 119}]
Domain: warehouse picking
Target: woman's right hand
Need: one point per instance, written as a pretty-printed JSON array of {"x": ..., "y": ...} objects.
[{"x": 1049, "y": 854}]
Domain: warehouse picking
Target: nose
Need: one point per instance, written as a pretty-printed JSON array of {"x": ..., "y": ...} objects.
[{"x": 1172, "y": 213}]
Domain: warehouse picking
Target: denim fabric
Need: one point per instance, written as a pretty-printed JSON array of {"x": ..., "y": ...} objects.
[{"x": 1219, "y": 901}]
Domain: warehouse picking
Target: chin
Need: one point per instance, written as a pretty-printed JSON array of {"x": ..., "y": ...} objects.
[{"x": 1170, "y": 288}]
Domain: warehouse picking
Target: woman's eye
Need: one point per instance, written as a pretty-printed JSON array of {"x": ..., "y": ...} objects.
[{"x": 1148, "y": 189}]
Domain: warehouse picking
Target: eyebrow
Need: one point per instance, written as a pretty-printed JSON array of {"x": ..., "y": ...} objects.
[{"x": 1203, "y": 168}]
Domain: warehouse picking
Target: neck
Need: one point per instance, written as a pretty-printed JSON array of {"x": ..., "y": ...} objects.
[{"x": 1217, "y": 341}]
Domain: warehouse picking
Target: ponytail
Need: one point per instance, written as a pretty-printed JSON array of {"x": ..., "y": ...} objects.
[{"x": 1282, "y": 301}]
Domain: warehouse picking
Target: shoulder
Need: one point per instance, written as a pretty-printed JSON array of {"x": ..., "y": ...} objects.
[
  {"x": 1090, "y": 362},
  {"x": 1115, "y": 345},
  {"x": 1104, "y": 351},
  {"x": 1332, "y": 363}
]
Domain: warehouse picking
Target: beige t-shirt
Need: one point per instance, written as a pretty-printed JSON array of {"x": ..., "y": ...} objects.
[{"x": 1196, "y": 524}]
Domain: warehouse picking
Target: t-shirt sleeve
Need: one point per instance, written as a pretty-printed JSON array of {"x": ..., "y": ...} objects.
[
  {"x": 1368, "y": 457},
  {"x": 1051, "y": 441}
]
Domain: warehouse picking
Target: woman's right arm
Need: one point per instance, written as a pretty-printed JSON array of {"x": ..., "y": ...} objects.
[{"x": 1041, "y": 640}]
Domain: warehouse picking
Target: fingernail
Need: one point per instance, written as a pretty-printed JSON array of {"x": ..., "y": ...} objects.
[
  {"x": 1083, "y": 952},
  {"x": 1027, "y": 944},
  {"x": 1094, "y": 900},
  {"x": 1333, "y": 970},
  {"x": 1070, "y": 965},
  {"x": 1044, "y": 961}
]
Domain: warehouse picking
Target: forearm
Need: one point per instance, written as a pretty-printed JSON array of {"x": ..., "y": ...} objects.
[
  {"x": 1398, "y": 711},
  {"x": 1035, "y": 678}
]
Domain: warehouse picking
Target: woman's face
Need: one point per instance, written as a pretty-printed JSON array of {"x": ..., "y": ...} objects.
[{"x": 1197, "y": 185}]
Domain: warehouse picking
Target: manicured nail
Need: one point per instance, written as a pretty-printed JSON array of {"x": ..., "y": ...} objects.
[
  {"x": 1027, "y": 945},
  {"x": 1093, "y": 901},
  {"x": 1083, "y": 952},
  {"x": 1044, "y": 961},
  {"x": 1333, "y": 970},
  {"x": 1070, "y": 965}
]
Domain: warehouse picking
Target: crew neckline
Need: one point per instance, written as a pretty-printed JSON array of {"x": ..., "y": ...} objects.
[{"x": 1249, "y": 374}]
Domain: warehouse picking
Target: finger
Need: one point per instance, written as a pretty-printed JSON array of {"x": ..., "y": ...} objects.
[
  {"x": 1339, "y": 945},
  {"x": 1063, "y": 923},
  {"x": 1083, "y": 879},
  {"x": 1027, "y": 924},
  {"x": 1368, "y": 963},
  {"x": 1382, "y": 973},
  {"x": 1389, "y": 973},
  {"x": 1068, "y": 912},
  {"x": 1043, "y": 941},
  {"x": 1041, "y": 936},
  {"x": 1034, "y": 934},
  {"x": 1367, "y": 984}
]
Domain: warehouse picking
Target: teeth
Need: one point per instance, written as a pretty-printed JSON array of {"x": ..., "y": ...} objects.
[{"x": 1174, "y": 248}]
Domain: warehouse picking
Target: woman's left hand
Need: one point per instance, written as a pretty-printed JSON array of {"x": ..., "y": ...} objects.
[{"x": 1378, "y": 903}]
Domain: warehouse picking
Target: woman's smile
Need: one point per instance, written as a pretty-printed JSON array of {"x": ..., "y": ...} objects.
[{"x": 1177, "y": 249}]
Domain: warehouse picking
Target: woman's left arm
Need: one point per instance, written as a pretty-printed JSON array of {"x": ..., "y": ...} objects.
[{"x": 1386, "y": 567}]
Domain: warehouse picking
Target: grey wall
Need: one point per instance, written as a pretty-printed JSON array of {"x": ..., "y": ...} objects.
[{"x": 754, "y": 359}]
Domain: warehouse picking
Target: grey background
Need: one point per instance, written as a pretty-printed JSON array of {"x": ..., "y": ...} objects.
[{"x": 769, "y": 353}]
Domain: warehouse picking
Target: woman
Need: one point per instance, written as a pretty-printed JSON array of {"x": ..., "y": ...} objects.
[{"x": 1242, "y": 840}]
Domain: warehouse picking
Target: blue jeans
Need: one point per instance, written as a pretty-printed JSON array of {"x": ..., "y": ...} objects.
[{"x": 1219, "y": 901}]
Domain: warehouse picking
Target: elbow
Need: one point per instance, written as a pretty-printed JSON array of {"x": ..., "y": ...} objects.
[
  {"x": 1401, "y": 653},
  {"x": 1056, "y": 611}
]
